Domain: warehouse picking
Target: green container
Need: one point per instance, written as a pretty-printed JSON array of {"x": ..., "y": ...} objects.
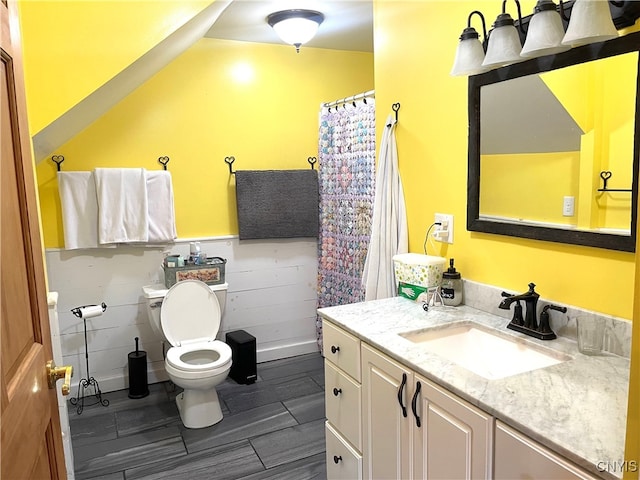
[
  {"x": 211, "y": 273},
  {"x": 410, "y": 291}
]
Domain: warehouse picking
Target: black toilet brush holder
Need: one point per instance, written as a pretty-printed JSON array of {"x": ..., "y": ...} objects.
[{"x": 138, "y": 383}]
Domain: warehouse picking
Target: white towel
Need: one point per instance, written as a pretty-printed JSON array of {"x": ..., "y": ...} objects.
[
  {"x": 123, "y": 214},
  {"x": 162, "y": 223},
  {"x": 389, "y": 224},
  {"x": 79, "y": 209}
]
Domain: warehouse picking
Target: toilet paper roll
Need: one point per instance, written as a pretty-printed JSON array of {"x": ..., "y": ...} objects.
[{"x": 90, "y": 311}]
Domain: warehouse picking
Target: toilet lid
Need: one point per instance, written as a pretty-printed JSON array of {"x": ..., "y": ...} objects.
[{"x": 190, "y": 311}]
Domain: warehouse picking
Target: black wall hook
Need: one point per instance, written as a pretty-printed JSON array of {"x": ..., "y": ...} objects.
[
  {"x": 605, "y": 175},
  {"x": 395, "y": 107},
  {"x": 163, "y": 161},
  {"x": 312, "y": 161},
  {"x": 57, "y": 159},
  {"x": 229, "y": 161}
]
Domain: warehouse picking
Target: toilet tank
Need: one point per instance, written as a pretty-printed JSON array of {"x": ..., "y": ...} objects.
[{"x": 154, "y": 294}]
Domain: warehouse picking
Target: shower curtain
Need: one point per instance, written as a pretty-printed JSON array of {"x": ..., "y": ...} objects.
[{"x": 347, "y": 184}]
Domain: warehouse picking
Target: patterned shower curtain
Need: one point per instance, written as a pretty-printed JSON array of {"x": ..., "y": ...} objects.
[{"x": 347, "y": 185}]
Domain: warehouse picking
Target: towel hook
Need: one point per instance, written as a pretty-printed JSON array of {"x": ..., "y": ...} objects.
[
  {"x": 605, "y": 175},
  {"x": 395, "y": 107},
  {"x": 163, "y": 161},
  {"x": 312, "y": 161},
  {"x": 229, "y": 161},
  {"x": 57, "y": 159}
]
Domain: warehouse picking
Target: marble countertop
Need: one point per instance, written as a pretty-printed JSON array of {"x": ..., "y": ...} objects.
[{"x": 577, "y": 408}]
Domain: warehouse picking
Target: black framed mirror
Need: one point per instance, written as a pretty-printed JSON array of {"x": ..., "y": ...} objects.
[{"x": 547, "y": 135}]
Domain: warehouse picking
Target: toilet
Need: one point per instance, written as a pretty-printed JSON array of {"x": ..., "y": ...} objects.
[{"x": 188, "y": 316}]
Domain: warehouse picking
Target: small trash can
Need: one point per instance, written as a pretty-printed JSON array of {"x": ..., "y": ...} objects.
[
  {"x": 243, "y": 355},
  {"x": 138, "y": 383}
]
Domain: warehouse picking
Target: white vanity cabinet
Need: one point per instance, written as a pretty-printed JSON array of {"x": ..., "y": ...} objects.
[
  {"x": 413, "y": 428},
  {"x": 518, "y": 456},
  {"x": 343, "y": 402}
]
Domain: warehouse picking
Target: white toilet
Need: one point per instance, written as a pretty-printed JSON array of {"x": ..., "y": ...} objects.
[{"x": 189, "y": 318}]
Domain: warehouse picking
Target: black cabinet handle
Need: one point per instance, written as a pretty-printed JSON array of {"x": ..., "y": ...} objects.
[
  {"x": 337, "y": 459},
  {"x": 414, "y": 402},
  {"x": 400, "y": 390},
  {"x": 337, "y": 391},
  {"x": 334, "y": 349}
]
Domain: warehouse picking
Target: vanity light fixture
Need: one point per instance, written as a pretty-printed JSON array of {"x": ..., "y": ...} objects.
[
  {"x": 504, "y": 45},
  {"x": 545, "y": 32},
  {"x": 295, "y": 27},
  {"x": 470, "y": 52},
  {"x": 590, "y": 22}
]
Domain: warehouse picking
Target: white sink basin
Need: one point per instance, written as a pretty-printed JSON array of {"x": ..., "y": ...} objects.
[{"x": 482, "y": 351}]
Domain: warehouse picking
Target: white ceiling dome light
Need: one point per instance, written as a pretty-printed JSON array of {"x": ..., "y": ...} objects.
[{"x": 296, "y": 27}]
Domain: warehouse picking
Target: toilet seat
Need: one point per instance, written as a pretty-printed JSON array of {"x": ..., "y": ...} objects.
[
  {"x": 190, "y": 313},
  {"x": 177, "y": 357}
]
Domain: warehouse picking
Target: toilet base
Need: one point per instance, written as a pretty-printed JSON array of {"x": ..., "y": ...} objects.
[{"x": 199, "y": 408}]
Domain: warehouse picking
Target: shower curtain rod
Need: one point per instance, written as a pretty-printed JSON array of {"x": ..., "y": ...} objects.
[{"x": 353, "y": 98}]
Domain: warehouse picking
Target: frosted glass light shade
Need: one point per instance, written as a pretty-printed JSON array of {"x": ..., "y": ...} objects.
[
  {"x": 469, "y": 58},
  {"x": 296, "y": 27},
  {"x": 545, "y": 35},
  {"x": 590, "y": 22},
  {"x": 296, "y": 31},
  {"x": 504, "y": 47}
]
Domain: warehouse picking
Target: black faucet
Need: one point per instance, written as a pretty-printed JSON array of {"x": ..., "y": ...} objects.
[{"x": 529, "y": 324}]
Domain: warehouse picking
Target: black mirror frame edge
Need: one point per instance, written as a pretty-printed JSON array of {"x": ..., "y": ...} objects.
[{"x": 625, "y": 44}]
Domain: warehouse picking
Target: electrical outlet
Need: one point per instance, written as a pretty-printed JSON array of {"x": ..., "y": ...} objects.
[
  {"x": 568, "y": 206},
  {"x": 444, "y": 231}
]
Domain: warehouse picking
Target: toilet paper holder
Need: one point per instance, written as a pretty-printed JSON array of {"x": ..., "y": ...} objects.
[{"x": 84, "y": 312}]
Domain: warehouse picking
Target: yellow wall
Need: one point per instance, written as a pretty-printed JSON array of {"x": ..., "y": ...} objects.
[
  {"x": 257, "y": 102},
  {"x": 72, "y": 47},
  {"x": 415, "y": 43}
]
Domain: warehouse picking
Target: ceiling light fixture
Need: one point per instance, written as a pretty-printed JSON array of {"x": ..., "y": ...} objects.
[{"x": 295, "y": 27}]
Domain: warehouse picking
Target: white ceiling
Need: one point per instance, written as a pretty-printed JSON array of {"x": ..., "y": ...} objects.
[{"x": 348, "y": 24}]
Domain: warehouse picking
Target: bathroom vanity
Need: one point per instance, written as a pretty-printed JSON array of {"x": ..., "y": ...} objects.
[{"x": 396, "y": 409}]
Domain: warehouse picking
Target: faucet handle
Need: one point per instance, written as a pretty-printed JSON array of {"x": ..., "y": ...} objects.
[
  {"x": 544, "y": 327},
  {"x": 505, "y": 294}
]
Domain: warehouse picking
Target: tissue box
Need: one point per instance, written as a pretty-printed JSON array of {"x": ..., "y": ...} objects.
[
  {"x": 211, "y": 273},
  {"x": 420, "y": 270}
]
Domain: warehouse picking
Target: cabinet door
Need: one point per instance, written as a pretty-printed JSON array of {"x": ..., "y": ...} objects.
[
  {"x": 454, "y": 438},
  {"x": 517, "y": 456},
  {"x": 386, "y": 425}
]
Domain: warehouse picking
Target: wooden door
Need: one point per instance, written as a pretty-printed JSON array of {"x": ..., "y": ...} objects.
[
  {"x": 386, "y": 439},
  {"x": 31, "y": 440}
]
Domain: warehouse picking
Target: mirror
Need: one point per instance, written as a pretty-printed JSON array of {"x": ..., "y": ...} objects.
[{"x": 546, "y": 136}]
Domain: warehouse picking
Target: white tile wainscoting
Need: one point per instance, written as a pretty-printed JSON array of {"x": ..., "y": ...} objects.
[{"x": 272, "y": 295}]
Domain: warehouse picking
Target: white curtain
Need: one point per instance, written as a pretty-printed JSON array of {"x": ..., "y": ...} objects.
[{"x": 389, "y": 224}]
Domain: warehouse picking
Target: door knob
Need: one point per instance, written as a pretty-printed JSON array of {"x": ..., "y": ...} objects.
[{"x": 55, "y": 373}]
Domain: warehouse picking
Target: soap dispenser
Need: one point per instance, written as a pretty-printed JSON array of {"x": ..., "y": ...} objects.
[{"x": 451, "y": 289}]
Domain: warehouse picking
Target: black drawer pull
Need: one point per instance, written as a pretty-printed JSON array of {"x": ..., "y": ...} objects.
[
  {"x": 337, "y": 391},
  {"x": 334, "y": 349},
  {"x": 337, "y": 459},
  {"x": 414, "y": 402},
  {"x": 400, "y": 390}
]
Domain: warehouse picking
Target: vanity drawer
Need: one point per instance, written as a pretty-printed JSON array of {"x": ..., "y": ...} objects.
[
  {"x": 342, "y": 349},
  {"x": 342, "y": 404},
  {"x": 343, "y": 462}
]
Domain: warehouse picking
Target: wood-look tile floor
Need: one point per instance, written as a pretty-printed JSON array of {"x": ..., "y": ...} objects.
[{"x": 272, "y": 429}]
